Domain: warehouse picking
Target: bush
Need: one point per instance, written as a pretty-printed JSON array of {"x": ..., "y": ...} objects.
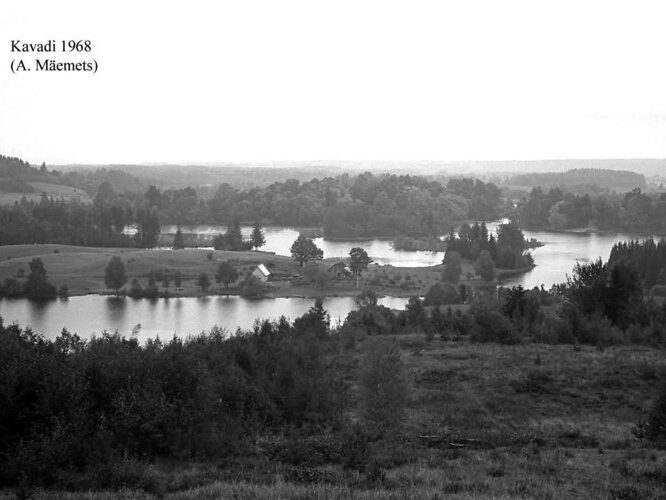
[
  {"x": 491, "y": 324},
  {"x": 442, "y": 294}
]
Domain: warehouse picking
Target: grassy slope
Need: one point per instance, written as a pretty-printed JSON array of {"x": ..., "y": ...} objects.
[
  {"x": 56, "y": 191},
  {"x": 484, "y": 421}
]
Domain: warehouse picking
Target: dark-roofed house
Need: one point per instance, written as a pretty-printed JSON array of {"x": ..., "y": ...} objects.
[{"x": 339, "y": 270}]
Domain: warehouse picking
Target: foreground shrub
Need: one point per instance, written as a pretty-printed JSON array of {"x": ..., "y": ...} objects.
[{"x": 71, "y": 405}]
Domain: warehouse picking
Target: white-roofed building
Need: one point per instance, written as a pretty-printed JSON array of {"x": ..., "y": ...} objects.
[{"x": 261, "y": 272}]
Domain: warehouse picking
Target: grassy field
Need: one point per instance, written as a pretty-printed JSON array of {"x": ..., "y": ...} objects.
[
  {"x": 482, "y": 421},
  {"x": 82, "y": 270},
  {"x": 56, "y": 191}
]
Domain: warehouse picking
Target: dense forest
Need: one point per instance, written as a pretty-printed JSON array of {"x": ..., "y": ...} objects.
[
  {"x": 346, "y": 206},
  {"x": 72, "y": 223},
  {"x": 631, "y": 211}
]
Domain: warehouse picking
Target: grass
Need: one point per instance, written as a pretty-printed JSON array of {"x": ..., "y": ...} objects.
[
  {"x": 82, "y": 269},
  {"x": 483, "y": 421}
]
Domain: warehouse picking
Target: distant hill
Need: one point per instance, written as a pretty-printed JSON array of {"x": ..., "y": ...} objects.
[
  {"x": 619, "y": 180},
  {"x": 238, "y": 176}
]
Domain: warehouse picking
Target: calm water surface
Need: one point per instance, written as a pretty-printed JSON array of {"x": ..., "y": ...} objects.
[
  {"x": 93, "y": 314},
  {"x": 280, "y": 239}
]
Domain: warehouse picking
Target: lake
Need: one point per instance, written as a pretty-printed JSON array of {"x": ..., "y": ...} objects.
[
  {"x": 191, "y": 315},
  {"x": 93, "y": 314},
  {"x": 553, "y": 261},
  {"x": 556, "y": 259},
  {"x": 280, "y": 239}
]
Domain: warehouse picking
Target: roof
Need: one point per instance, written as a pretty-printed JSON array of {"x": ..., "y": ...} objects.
[
  {"x": 338, "y": 264},
  {"x": 263, "y": 270}
]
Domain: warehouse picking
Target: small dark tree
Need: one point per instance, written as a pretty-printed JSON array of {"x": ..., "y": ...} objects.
[
  {"x": 304, "y": 250},
  {"x": 115, "y": 275},
  {"x": 178, "y": 279},
  {"x": 203, "y": 282},
  {"x": 165, "y": 280},
  {"x": 38, "y": 285},
  {"x": 452, "y": 267},
  {"x": 414, "y": 311},
  {"x": 257, "y": 239},
  {"x": 178, "y": 240},
  {"x": 315, "y": 322},
  {"x": 366, "y": 298},
  {"x": 485, "y": 267},
  {"x": 234, "y": 237},
  {"x": 251, "y": 287},
  {"x": 226, "y": 273},
  {"x": 464, "y": 293},
  {"x": 149, "y": 228}
]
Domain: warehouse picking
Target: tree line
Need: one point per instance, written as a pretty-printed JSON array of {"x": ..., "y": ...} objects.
[
  {"x": 633, "y": 211},
  {"x": 359, "y": 206}
]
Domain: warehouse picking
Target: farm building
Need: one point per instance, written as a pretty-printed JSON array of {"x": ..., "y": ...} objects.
[
  {"x": 339, "y": 270},
  {"x": 261, "y": 272}
]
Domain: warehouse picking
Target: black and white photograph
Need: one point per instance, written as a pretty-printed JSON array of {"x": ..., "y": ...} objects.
[{"x": 315, "y": 249}]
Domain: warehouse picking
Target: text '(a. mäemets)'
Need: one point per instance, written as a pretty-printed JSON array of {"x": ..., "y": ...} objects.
[{"x": 51, "y": 63}]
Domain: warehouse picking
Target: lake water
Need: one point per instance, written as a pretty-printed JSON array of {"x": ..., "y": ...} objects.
[
  {"x": 280, "y": 239},
  {"x": 93, "y": 314},
  {"x": 556, "y": 259}
]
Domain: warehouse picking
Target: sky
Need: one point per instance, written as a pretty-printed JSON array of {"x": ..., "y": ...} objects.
[{"x": 256, "y": 81}]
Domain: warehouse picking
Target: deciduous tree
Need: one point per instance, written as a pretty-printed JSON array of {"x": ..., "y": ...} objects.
[{"x": 115, "y": 275}]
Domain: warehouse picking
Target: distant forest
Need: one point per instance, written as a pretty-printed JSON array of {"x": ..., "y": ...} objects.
[
  {"x": 364, "y": 205},
  {"x": 631, "y": 211},
  {"x": 619, "y": 180}
]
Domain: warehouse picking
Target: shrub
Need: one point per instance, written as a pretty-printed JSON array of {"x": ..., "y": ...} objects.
[
  {"x": 491, "y": 324},
  {"x": 441, "y": 294}
]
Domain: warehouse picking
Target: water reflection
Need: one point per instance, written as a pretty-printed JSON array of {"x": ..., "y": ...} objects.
[
  {"x": 94, "y": 314},
  {"x": 280, "y": 239}
]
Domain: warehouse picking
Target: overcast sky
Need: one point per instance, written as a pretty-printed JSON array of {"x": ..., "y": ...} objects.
[{"x": 340, "y": 80}]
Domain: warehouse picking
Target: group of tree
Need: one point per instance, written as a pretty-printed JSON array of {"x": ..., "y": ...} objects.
[
  {"x": 555, "y": 209},
  {"x": 100, "y": 223},
  {"x": 646, "y": 257},
  {"x": 35, "y": 286},
  {"x": 508, "y": 250},
  {"x": 83, "y": 408},
  {"x": 233, "y": 240}
]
